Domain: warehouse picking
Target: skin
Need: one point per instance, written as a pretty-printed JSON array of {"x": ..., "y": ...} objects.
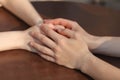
[
  {"x": 16, "y": 39},
  {"x": 19, "y": 39},
  {"x": 71, "y": 50},
  {"x": 59, "y": 45},
  {"x": 60, "y": 49},
  {"x": 105, "y": 45},
  {"x": 24, "y": 10}
]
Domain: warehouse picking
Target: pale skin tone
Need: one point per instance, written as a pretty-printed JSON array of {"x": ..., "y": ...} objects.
[
  {"x": 22, "y": 9},
  {"x": 105, "y": 45},
  {"x": 16, "y": 39},
  {"x": 72, "y": 49},
  {"x": 57, "y": 50},
  {"x": 19, "y": 39}
]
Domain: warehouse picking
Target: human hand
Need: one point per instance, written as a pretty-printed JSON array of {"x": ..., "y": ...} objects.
[
  {"x": 74, "y": 26},
  {"x": 27, "y": 38},
  {"x": 70, "y": 52}
]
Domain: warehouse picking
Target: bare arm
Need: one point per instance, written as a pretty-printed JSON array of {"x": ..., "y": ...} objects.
[
  {"x": 107, "y": 46},
  {"x": 104, "y": 45},
  {"x": 99, "y": 69},
  {"x": 23, "y": 9},
  {"x": 11, "y": 40},
  {"x": 73, "y": 53},
  {"x": 16, "y": 39}
]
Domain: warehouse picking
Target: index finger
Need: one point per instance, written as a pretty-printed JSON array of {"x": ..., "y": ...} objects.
[
  {"x": 60, "y": 21},
  {"x": 51, "y": 33}
]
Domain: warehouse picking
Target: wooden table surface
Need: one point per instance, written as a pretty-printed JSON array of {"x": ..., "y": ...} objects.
[{"x": 24, "y": 65}]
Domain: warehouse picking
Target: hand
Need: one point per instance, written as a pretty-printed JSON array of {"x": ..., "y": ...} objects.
[
  {"x": 27, "y": 38},
  {"x": 74, "y": 26},
  {"x": 71, "y": 52}
]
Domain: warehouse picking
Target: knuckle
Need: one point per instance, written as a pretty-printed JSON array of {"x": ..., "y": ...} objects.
[
  {"x": 35, "y": 45},
  {"x": 45, "y": 29},
  {"x": 42, "y": 38},
  {"x": 60, "y": 41},
  {"x": 36, "y": 34},
  {"x": 55, "y": 49}
]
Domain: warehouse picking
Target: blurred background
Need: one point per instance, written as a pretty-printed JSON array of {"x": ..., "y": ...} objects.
[{"x": 114, "y": 4}]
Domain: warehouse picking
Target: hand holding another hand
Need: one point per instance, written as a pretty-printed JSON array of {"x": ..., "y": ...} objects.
[
  {"x": 71, "y": 52},
  {"x": 27, "y": 38},
  {"x": 91, "y": 40}
]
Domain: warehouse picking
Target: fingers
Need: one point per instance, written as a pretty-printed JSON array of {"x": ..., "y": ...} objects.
[
  {"x": 48, "y": 58},
  {"x": 42, "y": 49},
  {"x": 44, "y": 40},
  {"x": 59, "y": 21},
  {"x": 58, "y": 27},
  {"x": 66, "y": 32},
  {"x": 51, "y": 26},
  {"x": 51, "y": 33}
]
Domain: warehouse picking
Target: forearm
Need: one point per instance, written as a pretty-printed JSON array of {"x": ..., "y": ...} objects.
[
  {"x": 23, "y": 9},
  {"x": 106, "y": 45},
  {"x": 100, "y": 70},
  {"x": 12, "y": 40},
  {"x": 17, "y": 39}
]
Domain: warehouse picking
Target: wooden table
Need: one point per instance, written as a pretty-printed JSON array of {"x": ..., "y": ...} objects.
[{"x": 24, "y": 65}]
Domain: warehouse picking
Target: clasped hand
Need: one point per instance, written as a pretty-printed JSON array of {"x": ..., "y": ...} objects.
[{"x": 60, "y": 41}]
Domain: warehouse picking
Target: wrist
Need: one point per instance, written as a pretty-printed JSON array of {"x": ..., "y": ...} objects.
[
  {"x": 17, "y": 39},
  {"x": 25, "y": 39},
  {"x": 39, "y": 22},
  {"x": 95, "y": 41},
  {"x": 81, "y": 61},
  {"x": 86, "y": 62},
  {"x": 21, "y": 40}
]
